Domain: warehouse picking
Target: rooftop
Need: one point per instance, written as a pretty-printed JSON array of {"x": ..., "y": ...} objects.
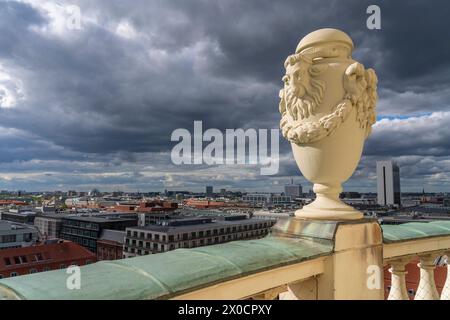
[
  {"x": 296, "y": 251},
  {"x": 113, "y": 235},
  {"x": 9, "y": 226},
  {"x": 216, "y": 223},
  {"x": 33, "y": 255}
]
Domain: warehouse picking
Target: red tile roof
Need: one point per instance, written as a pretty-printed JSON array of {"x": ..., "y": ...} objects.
[
  {"x": 15, "y": 202},
  {"x": 45, "y": 253}
]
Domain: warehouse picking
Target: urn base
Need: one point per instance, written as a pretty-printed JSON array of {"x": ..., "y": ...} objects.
[
  {"x": 328, "y": 206},
  {"x": 340, "y": 211}
]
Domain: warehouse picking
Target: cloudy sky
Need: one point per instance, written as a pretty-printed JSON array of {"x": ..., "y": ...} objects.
[{"x": 95, "y": 106}]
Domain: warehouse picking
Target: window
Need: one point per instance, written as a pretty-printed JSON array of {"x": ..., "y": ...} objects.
[
  {"x": 9, "y": 238},
  {"x": 33, "y": 271},
  {"x": 62, "y": 266},
  {"x": 13, "y": 274},
  {"x": 24, "y": 259},
  {"x": 7, "y": 261},
  {"x": 1, "y": 276},
  {"x": 17, "y": 260},
  {"x": 46, "y": 269}
]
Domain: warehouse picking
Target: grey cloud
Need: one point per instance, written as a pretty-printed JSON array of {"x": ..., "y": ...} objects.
[{"x": 95, "y": 96}]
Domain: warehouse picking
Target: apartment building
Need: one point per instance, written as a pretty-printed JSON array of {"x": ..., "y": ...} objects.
[{"x": 193, "y": 232}]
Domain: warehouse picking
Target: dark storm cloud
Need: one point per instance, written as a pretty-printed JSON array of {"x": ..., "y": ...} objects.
[{"x": 114, "y": 91}]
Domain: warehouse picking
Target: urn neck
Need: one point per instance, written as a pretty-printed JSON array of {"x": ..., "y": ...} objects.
[{"x": 328, "y": 51}]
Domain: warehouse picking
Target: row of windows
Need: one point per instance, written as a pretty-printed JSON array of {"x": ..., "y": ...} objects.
[
  {"x": 80, "y": 224},
  {"x": 23, "y": 259},
  {"x": 155, "y": 247},
  {"x": 81, "y": 241},
  {"x": 27, "y": 237},
  {"x": 193, "y": 235},
  {"x": 80, "y": 232},
  {"x": 8, "y": 238}
]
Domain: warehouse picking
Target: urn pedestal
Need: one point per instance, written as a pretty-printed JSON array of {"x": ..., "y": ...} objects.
[{"x": 328, "y": 107}]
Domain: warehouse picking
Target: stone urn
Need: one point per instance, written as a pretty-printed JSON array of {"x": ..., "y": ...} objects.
[{"x": 328, "y": 108}]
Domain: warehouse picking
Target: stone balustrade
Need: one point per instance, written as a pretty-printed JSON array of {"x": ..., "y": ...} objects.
[
  {"x": 426, "y": 242},
  {"x": 301, "y": 259}
]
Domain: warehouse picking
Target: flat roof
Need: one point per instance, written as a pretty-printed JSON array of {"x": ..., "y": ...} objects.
[
  {"x": 201, "y": 226},
  {"x": 99, "y": 219}
]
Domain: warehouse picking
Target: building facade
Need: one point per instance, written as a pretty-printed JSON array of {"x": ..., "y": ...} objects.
[
  {"x": 49, "y": 225},
  {"x": 193, "y": 232},
  {"x": 16, "y": 235},
  {"x": 110, "y": 245},
  {"x": 19, "y": 216},
  {"x": 388, "y": 183},
  {"x": 265, "y": 199},
  {"x": 85, "y": 231},
  {"x": 293, "y": 190}
]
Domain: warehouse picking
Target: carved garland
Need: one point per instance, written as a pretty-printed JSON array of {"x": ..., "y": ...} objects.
[{"x": 360, "y": 86}]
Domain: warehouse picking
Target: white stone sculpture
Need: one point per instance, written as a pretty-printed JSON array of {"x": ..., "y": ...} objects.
[{"x": 328, "y": 108}]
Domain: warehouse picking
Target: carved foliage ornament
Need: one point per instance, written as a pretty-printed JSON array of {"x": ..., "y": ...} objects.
[{"x": 303, "y": 93}]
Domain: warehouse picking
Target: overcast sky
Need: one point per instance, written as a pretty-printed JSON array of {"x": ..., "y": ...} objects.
[{"x": 95, "y": 107}]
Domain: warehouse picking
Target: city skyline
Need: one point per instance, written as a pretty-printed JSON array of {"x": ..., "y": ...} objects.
[{"x": 95, "y": 107}]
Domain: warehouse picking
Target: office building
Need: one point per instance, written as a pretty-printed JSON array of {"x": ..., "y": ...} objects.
[
  {"x": 86, "y": 230},
  {"x": 209, "y": 191},
  {"x": 293, "y": 190},
  {"x": 16, "y": 235},
  {"x": 18, "y": 216},
  {"x": 388, "y": 183},
  {"x": 193, "y": 232}
]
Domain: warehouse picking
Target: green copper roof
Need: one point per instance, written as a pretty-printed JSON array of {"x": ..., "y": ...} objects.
[
  {"x": 165, "y": 275},
  {"x": 415, "y": 230},
  {"x": 162, "y": 276}
]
